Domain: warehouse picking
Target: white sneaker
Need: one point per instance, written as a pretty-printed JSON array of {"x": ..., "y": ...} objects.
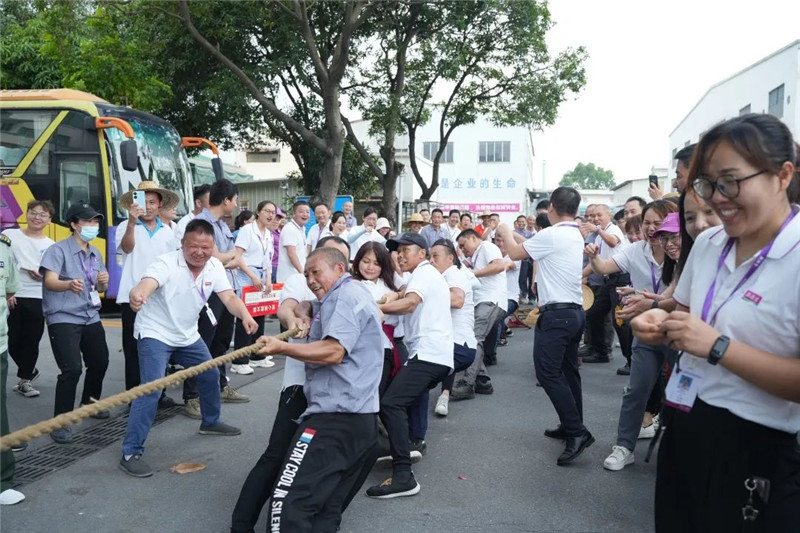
[
  {"x": 648, "y": 432},
  {"x": 11, "y": 497},
  {"x": 25, "y": 388},
  {"x": 620, "y": 457},
  {"x": 262, "y": 363},
  {"x": 242, "y": 369},
  {"x": 441, "y": 405}
]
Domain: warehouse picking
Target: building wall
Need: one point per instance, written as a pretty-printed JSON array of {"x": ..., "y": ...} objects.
[
  {"x": 250, "y": 194},
  {"x": 749, "y": 87},
  {"x": 269, "y": 171}
]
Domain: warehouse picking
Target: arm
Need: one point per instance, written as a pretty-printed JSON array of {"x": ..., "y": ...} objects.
[
  {"x": 292, "y": 314},
  {"x": 353, "y": 237},
  {"x": 128, "y": 242},
  {"x": 514, "y": 249},
  {"x": 236, "y": 307},
  {"x": 402, "y": 306},
  {"x": 52, "y": 283},
  {"x": 241, "y": 264},
  {"x": 456, "y": 298},
  {"x": 609, "y": 239},
  {"x": 102, "y": 281},
  {"x": 601, "y": 266},
  {"x": 291, "y": 251},
  {"x": 141, "y": 292},
  {"x": 323, "y": 352},
  {"x": 495, "y": 267}
]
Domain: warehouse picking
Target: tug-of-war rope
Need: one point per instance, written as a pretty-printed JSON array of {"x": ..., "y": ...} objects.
[{"x": 44, "y": 427}]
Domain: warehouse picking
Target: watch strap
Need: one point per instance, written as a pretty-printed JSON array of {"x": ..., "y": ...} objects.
[{"x": 718, "y": 349}]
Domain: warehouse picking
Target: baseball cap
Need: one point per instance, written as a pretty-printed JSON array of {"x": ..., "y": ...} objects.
[
  {"x": 670, "y": 224},
  {"x": 83, "y": 212},
  {"x": 279, "y": 213},
  {"x": 408, "y": 237}
]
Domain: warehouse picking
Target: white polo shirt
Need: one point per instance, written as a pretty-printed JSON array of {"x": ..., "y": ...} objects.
[
  {"x": 377, "y": 289},
  {"x": 637, "y": 260},
  {"x": 364, "y": 239},
  {"x": 146, "y": 250},
  {"x": 454, "y": 233},
  {"x": 493, "y": 288},
  {"x": 315, "y": 234},
  {"x": 429, "y": 329},
  {"x": 606, "y": 251},
  {"x": 464, "y": 318},
  {"x": 180, "y": 229},
  {"x": 170, "y": 314},
  {"x": 558, "y": 251},
  {"x": 292, "y": 234},
  {"x": 27, "y": 253},
  {"x": 257, "y": 248},
  {"x": 512, "y": 279},
  {"x": 295, "y": 288},
  {"x": 764, "y": 313}
]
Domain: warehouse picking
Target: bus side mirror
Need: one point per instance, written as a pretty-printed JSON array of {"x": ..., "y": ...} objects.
[
  {"x": 129, "y": 153},
  {"x": 216, "y": 165}
]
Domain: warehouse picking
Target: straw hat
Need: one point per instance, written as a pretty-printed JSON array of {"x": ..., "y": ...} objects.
[
  {"x": 415, "y": 217},
  {"x": 486, "y": 213},
  {"x": 168, "y": 198},
  {"x": 588, "y": 297}
]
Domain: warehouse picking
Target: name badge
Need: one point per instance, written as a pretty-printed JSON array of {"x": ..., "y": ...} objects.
[
  {"x": 95, "y": 297},
  {"x": 211, "y": 317},
  {"x": 684, "y": 384}
]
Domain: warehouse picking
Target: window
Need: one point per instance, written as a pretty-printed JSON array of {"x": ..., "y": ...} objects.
[
  {"x": 19, "y": 129},
  {"x": 494, "y": 151},
  {"x": 776, "y": 101},
  {"x": 745, "y": 110},
  {"x": 267, "y": 156},
  {"x": 429, "y": 150}
]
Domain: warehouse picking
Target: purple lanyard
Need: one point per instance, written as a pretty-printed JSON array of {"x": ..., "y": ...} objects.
[
  {"x": 200, "y": 290},
  {"x": 567, "y": 225},
  {"x": 88, "y": 270},
  {"x": 759, "y": 260},
  {"x": 654, "y": 278}
]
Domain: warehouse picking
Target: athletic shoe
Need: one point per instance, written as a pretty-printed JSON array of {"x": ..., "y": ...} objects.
[
  {"x": 501, "y": 342},
  {"x": 508, "y": 332},
  {"x": 462, "y": 391},
  {"x": 483, "y": 388},
  {"x": 418, "y": 445},
  {"x": 441, "y": 405},
  {"x": 165, "y": 402},
  {"x": 267, "y": 362},
  {"x": 21, "y": 447},
  {"x": 385, "y": 461},
  {"x": 389, "y": 489},
  {"x": 647, "y": 432},
  {"x": 135, "y": 466},
  {"x": 219, "y": 429},
  {"x": 243, "y": 370},
  {"x": 231, "y": 395},
  {"x": 11, "y": 497},
  {"x": 586, "y": 351},
  {"x": 62, "y": 436},
  {"x": 105, "y": 414},
  {"x": 596, "y": 358},
  {"x": 625, "y": 370},
  {"x": 191, "y": 408},
  {"x": 25, "y": 388},
  {"x": 620, "y": 457}
]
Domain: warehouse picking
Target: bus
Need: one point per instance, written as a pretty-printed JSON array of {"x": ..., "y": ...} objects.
[{"x": 69, "y": 147}]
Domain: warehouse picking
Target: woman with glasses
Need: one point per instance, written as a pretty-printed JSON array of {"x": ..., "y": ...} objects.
[
  {"x": 644, "y": 262},
  {"x": 25, "y": 318},
  {"x": 730, "y": 460}
]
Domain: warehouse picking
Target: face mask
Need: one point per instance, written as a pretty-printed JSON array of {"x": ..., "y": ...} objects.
[{"x": 89, "y": 232}]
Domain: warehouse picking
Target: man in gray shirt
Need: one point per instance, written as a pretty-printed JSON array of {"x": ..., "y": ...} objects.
[
  {"x": 437, "y": 229},
  {"x": 338, "y": 434}
]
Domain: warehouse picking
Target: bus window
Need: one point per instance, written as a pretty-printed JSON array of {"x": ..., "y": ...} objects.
[{"x": 19, "y": 130}]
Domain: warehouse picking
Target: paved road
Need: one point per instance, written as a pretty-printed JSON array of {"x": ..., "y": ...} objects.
[{"x": 511, "y": 482}]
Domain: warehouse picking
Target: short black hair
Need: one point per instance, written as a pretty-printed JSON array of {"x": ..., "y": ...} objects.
[
  {"x": 523, "y": 217},
  {"x": 322, "y": 203},
  {"x": 201, "y": 190},
  {"x": 451, "y": 249},
  {"x": 639, "y": 199},
  {"x": 544, "y": 204},
  {"x": 199, "y": 225},
  {"x": 619, "y": 215},
  {"x": 466, "y": 215},
  {"x": 437, "y": 210},
  {"x": 240, "y": 219},
  {"x": 334, "y": 238},
  {"x": 220, "y": 191},
  {"x": 298, "y": 204},
  {"x": 456, "y": 211},
  {"x": 369, "y": 211},
  {"x": 424, "y": 209},
  {"x": 543, "y": 221},
  {"x": 565, "y": 201},
  {"x": 684, "y": 155},
  {"x": 469, "y": 233}
]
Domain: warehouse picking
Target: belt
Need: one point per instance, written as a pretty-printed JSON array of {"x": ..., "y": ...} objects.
[{"x": 557, "y": 306}]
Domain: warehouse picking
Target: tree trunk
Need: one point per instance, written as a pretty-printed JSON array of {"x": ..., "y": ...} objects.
[{"x": 332, "y": 168}]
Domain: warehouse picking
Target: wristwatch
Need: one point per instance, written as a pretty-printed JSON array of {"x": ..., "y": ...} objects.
[{"x": 718, "y": 350}]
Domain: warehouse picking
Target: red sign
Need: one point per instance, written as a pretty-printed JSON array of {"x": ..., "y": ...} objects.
[{"x": 259, "y": 303}]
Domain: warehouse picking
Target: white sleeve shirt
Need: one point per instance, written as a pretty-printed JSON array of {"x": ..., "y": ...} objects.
[
  {"x": 147, "y": 248},
  {"x": 558, "y": 252},
  {"x": 429, "y": 328},
  {"x": 291, "y": 235},
  {"x": 493, "y": 288},
  {"x": 464, "y": 318},
  {"x": 638, "y": 261},
  {"x": 257, "y": 248},
  {"x": 606, "y": 251}
]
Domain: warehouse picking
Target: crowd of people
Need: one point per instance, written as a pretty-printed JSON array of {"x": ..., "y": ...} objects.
[{"x": 698, "y": 287}]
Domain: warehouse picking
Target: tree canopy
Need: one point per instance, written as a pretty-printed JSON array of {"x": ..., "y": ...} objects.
[{"x": 588, "y": 176}]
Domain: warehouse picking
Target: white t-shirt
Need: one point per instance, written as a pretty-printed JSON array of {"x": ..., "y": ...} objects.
[
  {"x": 764, "y": 313},
  {"x": 400, "y": 281},
  {"x": 146, "y": 250},
  {"x": 291, "y": 235},
  {"x": 429, "y": 329},
  {"x": 454, "y": 233},
  {"x": 493, "y": 288},
  {"x": 315, "y": 235},
  {"x": 558, "y": 251},
  {"x": 27, "y": 254},
  {"x": 637, "y": 260},
  {"x": 606, "y": 251},
  {"x": 364, "y": 239},
  {"x": 295, "y": 288},
  {"x": 464, "y": 318},
  {"x": 257, "y": 247},
  {"x": 180, "y": 229},
  {"x": 512, "y": 279},
  {"x": 170, "y": 314},
  {"x": 377, "y": 289}
]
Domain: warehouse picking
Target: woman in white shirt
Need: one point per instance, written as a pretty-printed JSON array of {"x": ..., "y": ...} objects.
[
  {"x": 338, "y": 226},
  {"x": 729, "y": 460},
  {"x": 25, "y": 318},
  {"x": 254, "y": 250}
]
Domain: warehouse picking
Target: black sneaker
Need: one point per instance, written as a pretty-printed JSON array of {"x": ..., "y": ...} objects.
[
  {"x": 625, "y": 370},
  {"x": 165, "y": 402},
  {"x": 509, "y": 333},
  {"x": 597, "y": 358},
  {"x": 219, "y": 429},
  {"x": 483, "y": 388},
  {"x": 462, "y": 391},
  {"x": 385, "y": 460},
  {"x": 418, "y": 445},
  {"x": 388, "y": 489},
  {"x": 22, "y": 446},
  {"x": 135, "y": 466}
]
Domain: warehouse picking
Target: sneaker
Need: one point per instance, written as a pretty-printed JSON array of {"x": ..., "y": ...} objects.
[
  {"x": 483, "y": 388},
  {"x": 25, "y": 388},
  {"x": 418, "y": 445},
  {"x": 462, "y": 391},
  {"x": 231, "y": 395},
  {"x": 647, "y": 432},
  {"x": 385, "y": 461},
  {"x": 219, "y": 429},
  {"x": 135, "y": 466},
  {"x": 62, "y": 436},
  {"x": 243, "y": 370},
  {"x": 441, "y": 405},
  {"x": 105, "y": 414},
  {"x": 625, "y": 370},
  {"x": 11, "y": 497},
  {"x": 191, "y": 408},
  {"x": 620, "y": 457},
  {"x": 388, "y": 489},
  {"x": 502, "y": 342},
  {"x": 267, "y": 362},
  {"x": 508, "y": 332},
  {"x": 586, "y": 350},
  {"x": 596, "y": 358},
  {"x": 165, "y": 402},
  {"x": 21, "y": 447}
]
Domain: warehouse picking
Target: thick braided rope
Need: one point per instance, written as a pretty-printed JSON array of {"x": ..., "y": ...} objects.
[{"x": 29, "y": 433}]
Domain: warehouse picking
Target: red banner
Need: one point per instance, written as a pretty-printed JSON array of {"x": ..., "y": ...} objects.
[{"x": 259, "y": 303}]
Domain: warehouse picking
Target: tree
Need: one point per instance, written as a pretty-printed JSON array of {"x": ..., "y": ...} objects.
[{"x": 588, "y": 177}]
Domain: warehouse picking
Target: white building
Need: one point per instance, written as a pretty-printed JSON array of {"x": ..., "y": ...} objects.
[
  {"x": 638, "y": 187},
  {"x": 771, "y": 85}
]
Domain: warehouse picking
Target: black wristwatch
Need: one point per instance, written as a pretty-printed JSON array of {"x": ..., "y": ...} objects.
[{"x": 718, "y": 350}]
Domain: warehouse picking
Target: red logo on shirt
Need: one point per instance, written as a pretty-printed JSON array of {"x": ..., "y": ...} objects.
[
  {"x": 207, "y": 283},
  {"x": 752, "y": 297}
]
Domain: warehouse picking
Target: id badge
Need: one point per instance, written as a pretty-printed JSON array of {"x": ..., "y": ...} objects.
[
  {"x": 683, "y": 386},
  {"x": 95, "y": 297},
  {"x": 211, "y": 317}
]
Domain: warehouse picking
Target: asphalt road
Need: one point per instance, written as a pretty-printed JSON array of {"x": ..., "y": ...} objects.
[{"x": 488, "y": 466}]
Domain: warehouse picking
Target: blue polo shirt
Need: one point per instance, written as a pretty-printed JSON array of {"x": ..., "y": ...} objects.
[{"x": 223, "y": 237}]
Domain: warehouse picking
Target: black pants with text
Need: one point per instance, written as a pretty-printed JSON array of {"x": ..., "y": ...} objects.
[
  {"x": 25, "y": 330},
  {"x": 69, "y": 342}
]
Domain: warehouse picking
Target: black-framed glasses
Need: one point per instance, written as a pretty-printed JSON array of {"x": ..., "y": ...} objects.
[
  {"x": 728, "y": 186},
  {"x": 674, "y": 238}
]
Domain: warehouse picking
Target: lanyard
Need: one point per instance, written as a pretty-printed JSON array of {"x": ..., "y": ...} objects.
[
  {"x": 600, "y": 248},
  {"x": 567, "y": 225},
  {"x": 200, "y": 290},
  {"x": 88, "y": 270},
  {"x": 759, "y": 260},
  {"x": 319, "y": 234},
  {"x": 654, "y": 278}
]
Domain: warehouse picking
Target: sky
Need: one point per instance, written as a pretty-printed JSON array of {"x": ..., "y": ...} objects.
[{"x": 649, "y": 64}]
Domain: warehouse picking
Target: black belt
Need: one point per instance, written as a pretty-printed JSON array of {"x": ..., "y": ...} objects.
[{"x": 557, "y": 306}]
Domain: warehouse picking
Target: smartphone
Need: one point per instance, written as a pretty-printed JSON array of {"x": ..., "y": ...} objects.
[
  {"x": 139, "y": 199},
  {"x": 654, "y": 181}
]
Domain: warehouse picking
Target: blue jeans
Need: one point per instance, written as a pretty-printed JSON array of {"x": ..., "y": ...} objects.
[{"x": 153, "y": 358}]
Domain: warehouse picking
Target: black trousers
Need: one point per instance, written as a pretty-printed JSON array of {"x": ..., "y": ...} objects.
[
  {"x": 555, "y": 358},
  {"x": 606, "y": 300},
  {"x": 704, "y": 459},
  {"x": 25, "y": 330},
  {"x": 130, "y": 347},
  {"x": 257, "y": 487},
  {"x": 321, "y": 468},
  {"x": 217, "y": 338},
  {"x": 415, "y": 378},
  {"x": 526, "y": 279},
  {"x": 69, "y": 342},
  {"x": 241, "y": 338}
]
